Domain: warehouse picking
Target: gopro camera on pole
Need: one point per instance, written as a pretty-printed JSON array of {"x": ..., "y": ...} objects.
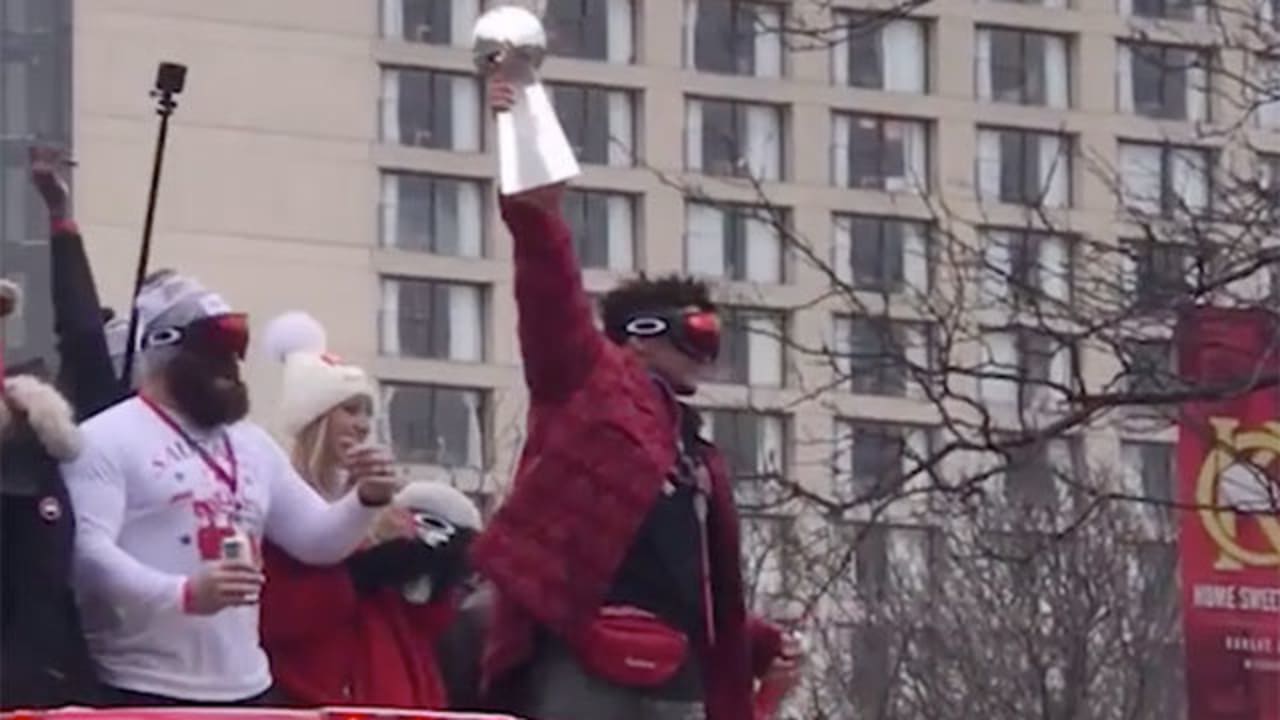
[{"x": 171, "y": 78}]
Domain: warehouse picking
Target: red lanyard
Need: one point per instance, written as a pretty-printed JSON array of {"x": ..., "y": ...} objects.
[{"x": 229, "y": 478}]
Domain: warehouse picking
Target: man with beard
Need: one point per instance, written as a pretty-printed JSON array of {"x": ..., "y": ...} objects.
[{"x": 174, "y": 492}]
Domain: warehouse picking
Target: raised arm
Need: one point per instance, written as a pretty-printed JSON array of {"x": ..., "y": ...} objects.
[
  {"x": 559, "y": 342},
  {"x": 306, "y": 527},
  {"x": 558, "y": 339},
  {"x": 86, "y": 375}
]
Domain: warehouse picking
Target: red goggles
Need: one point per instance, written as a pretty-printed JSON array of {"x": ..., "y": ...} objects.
[
  {"x": 226, "y": 334},
  {"x": 695, "y": 333}
]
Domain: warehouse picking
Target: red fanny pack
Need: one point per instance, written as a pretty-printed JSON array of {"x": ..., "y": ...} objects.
[{"x": 631, "y": 647}]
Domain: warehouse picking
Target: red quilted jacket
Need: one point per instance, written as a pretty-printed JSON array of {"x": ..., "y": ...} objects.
[
  {"x": 599, "y": 446},
  {"x": 329, "y": 646}
]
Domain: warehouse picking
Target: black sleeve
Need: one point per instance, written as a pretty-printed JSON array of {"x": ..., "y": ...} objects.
[
  {"x": 399, "y": 561},
  {"x": 459, "y": 649},
  {"x": 391, "y": 563},
  {"x": 85, "y": 374}
]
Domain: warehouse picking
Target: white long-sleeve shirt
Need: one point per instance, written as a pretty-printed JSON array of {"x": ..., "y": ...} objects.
[{"x": 150, "y": 512}]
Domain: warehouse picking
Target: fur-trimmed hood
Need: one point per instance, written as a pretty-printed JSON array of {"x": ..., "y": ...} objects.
[{"x": 29, "y": 399}]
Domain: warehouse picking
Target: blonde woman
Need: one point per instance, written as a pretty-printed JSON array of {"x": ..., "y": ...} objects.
[{"x": 352, "y": 633}]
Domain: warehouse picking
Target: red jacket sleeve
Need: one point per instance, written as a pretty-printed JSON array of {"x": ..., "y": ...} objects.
[
  {"x": 558, "y": 339},
  {"x": 766, "y": 644},
  {"x": 301, "y": 601}
]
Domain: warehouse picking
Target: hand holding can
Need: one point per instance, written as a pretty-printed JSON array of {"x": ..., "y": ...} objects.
[{"x": 237, "y": 551}]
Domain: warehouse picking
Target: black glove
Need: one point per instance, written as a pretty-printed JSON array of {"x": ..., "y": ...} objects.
[
  {"x": 394, "y": 562},
  {"x": 453, "y": 567},
  {"x": 397, "y": 562}
]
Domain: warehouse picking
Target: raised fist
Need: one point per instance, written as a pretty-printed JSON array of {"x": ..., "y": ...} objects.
[{"x": 45, "y": 165}]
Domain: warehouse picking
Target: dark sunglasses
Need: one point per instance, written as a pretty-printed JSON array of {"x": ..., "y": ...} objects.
[
  {"x": 226, "y": 334},
  {"x": 695, "y": 333}
]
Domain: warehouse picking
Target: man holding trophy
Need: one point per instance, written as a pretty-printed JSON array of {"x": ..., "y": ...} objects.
[{"x": 615, "y": 559}]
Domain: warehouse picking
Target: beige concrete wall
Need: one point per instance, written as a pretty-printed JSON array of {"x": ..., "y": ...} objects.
[
  {"x": 269, "y": 194},
  {"x": 271, "y": 184}
]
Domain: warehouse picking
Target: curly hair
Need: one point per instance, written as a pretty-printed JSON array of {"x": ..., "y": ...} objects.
[{"x": 642, "y": 294}]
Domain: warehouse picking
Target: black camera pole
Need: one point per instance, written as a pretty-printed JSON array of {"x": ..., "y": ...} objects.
[{"x": 170, "y": 79}]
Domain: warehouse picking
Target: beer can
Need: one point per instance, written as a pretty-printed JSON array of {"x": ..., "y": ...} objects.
[{"x": 235, "y": 547}]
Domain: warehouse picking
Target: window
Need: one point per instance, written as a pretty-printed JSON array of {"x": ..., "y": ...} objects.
[
  {"x": 1025, "y": 366},
  {"x": 895, "y": 560},
  {"x": 1148, "y": 366},
  {"x": 878, "y": 55},
  {"x": 1155, "y": 577},
  {"x": 1163, "y": 274},
  {"x": 874, "y": 152},
  {"x": 1027, "y": 68},
  {"x": 603, "y": 227},
  {"x": 873, "y": 665},
  {"x": 1153, "y": 580},
  {"x": 1023, "y": 167},
  {"x": 1024, "y": 268},
  {"x": 1010, "y": 555},
  {"x": 873, "y": 459},
  {"x": 751, "y": 347},
  {"x": 735, "y": 37},
  {"x": 430, "y": 109},
  {"x": 882, "y": 254},
  {"x": 895, "y": 563},
  {"x": 877, "y": 672},
  {"x": 1164, "y": 179},
  {"x": 1032, "y": 473},
  {"x": 432, "y": 213},
  {"x": 1164, "y": 677},
  {"x": 768, "y": 546},
  {"x": 880, "y": 356},
  {"x": 436, "y": 424},
  {"x": 436, "y": 22},
  {"x": 734, "y": 242},
  {"x": 1268, "y": 12},
  {"x": 1266, "y": 93},
  {"x": 591, "y": 29},
  {"x": 597, "y": 121},
  {"x": 732, "y": 138},
  {"x": 1266, "y": 198},
  {"x": 1151, "y": 474},
  {"x": 1164, "y": 82},
  {"x": 1165, "y": 9},
  {"x": 752, "y": 443},
  {"x": 432, "y": 319}
]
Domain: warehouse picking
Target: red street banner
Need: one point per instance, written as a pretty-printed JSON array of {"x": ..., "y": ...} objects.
[{"x": 1229, "y": 534}]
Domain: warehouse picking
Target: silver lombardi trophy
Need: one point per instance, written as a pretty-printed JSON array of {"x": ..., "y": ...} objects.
[{"x": 533, "y": 151}]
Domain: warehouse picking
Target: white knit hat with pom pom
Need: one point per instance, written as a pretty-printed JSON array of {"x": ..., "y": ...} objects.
[{"x": 315, "y": 381}]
